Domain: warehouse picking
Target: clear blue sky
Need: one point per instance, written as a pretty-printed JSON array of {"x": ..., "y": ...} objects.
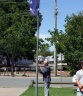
[{"x": 65, "y": 7}]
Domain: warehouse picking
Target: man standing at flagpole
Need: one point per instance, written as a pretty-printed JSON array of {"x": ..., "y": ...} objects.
[{"x": 46, "y": 71}]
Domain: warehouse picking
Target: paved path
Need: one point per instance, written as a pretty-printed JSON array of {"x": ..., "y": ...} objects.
[
  {"x": 11, "y": 91},
  {"x": 13, "y": 86}
]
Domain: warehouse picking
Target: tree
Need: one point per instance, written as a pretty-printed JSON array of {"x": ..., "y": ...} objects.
[
  {"x": 44, "y": 50},
  {"x": 74, "y": 40},
  {"x": 70, "y": 42},
  {"x": 17, "y": 28}
]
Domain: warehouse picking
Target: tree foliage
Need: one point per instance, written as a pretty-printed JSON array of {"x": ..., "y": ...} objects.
[
  {"x": 17, "y": 28},
  {"x": 70, "y": 42},
  {"x": 44, "y": 49}
]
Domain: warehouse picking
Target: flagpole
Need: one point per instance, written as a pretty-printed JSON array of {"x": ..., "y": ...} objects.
[
  {"x": 37, "y": 56},
  {"x": 37, "y": 53},
  {"x": 34, "y": 8}
]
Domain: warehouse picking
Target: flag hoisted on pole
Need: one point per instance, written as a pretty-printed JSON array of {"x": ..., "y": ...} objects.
[{"x": 34, "y": 9}]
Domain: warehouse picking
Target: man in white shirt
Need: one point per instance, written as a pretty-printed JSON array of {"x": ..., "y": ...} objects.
[{"x": 79, "y": 80}]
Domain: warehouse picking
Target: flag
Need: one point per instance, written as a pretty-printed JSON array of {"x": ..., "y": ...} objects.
[{"x": 34, "y": 7}]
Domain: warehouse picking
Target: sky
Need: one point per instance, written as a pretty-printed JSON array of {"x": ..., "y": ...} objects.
[{"x": 65, "y": 7}]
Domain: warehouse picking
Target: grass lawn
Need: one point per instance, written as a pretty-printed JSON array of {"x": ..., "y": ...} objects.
[{"x": 53, "y": 92}]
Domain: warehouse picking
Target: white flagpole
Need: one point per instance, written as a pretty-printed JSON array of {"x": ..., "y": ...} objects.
[
  {"x": 37, "y": 56},
  {"x": 37, "y": 53},
  {"x": 35, "y": 7}
]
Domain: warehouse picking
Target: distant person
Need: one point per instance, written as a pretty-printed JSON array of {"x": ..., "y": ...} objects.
[
  {"x": 79, "y": 80},
  {"x": 46, "y": 71}
]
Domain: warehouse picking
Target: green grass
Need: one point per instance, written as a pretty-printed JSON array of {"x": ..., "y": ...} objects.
[{"x": 53, "y": 92}]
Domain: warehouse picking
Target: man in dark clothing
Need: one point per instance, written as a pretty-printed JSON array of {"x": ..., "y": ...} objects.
[{"x": 46, "y": 71}]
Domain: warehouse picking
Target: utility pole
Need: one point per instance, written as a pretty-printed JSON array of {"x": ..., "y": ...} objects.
[{"x": 55, "y": 22}]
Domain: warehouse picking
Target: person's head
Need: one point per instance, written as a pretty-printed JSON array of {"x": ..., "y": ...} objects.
[
  {"x": 82, "y": 63},
  {"x": 45, "y": 63}
]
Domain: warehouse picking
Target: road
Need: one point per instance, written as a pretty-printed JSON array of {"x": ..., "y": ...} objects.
[
  {"x": 6, "y": 81},
  {"x": 17, "y": 82}
]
